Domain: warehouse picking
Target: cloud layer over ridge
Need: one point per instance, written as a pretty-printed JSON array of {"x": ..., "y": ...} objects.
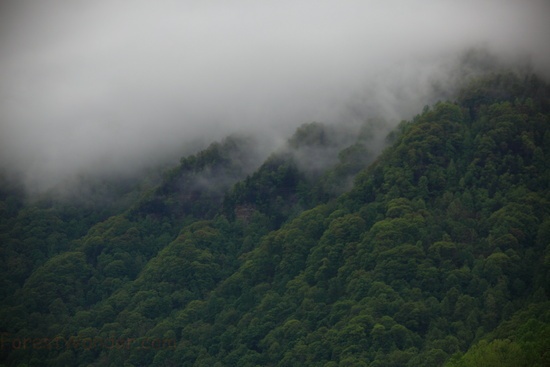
[{"x": 102, "y": 85}]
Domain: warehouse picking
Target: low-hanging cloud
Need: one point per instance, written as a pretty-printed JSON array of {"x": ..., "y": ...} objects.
[{"x": 110, "y": 85}]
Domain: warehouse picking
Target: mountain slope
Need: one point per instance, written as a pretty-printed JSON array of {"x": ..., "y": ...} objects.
[{"x": 440, "y": 245}]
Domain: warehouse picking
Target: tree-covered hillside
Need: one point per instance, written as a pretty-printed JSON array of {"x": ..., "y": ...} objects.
[{"x": 434, "y": 253}]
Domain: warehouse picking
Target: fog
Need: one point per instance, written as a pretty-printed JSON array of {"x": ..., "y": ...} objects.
[{"x": 113, "y": 85}]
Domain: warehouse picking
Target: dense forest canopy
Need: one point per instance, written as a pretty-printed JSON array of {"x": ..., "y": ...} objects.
[{"x": 435, "y": 252}]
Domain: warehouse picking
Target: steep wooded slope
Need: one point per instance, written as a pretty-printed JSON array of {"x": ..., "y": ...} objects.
[{"x": 438, "y": 243}]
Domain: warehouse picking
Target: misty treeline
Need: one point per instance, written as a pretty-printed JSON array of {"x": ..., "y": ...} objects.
[{"x": 435, "y": 252}]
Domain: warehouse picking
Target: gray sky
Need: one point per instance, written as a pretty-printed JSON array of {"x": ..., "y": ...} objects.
[{"x": 88, "y": 85}]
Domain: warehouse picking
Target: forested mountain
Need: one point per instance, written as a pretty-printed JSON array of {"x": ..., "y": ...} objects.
[{"x": 435, "y": 252}]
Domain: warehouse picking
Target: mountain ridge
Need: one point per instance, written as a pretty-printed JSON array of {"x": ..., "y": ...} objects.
[{"x": 441, "y": 239}]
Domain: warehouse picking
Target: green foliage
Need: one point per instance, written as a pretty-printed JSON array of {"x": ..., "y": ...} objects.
[
  {"x": 196, "y": 188},
  {"x": 524, "y": 340},
  {"x": 436, "y": 253}
]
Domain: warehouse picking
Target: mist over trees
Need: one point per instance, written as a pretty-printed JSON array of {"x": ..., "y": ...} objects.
[
  {"x": 313, "y": 183},
  {"x": 433, "y": 252},
  {"x": 107, "y": 88}
]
